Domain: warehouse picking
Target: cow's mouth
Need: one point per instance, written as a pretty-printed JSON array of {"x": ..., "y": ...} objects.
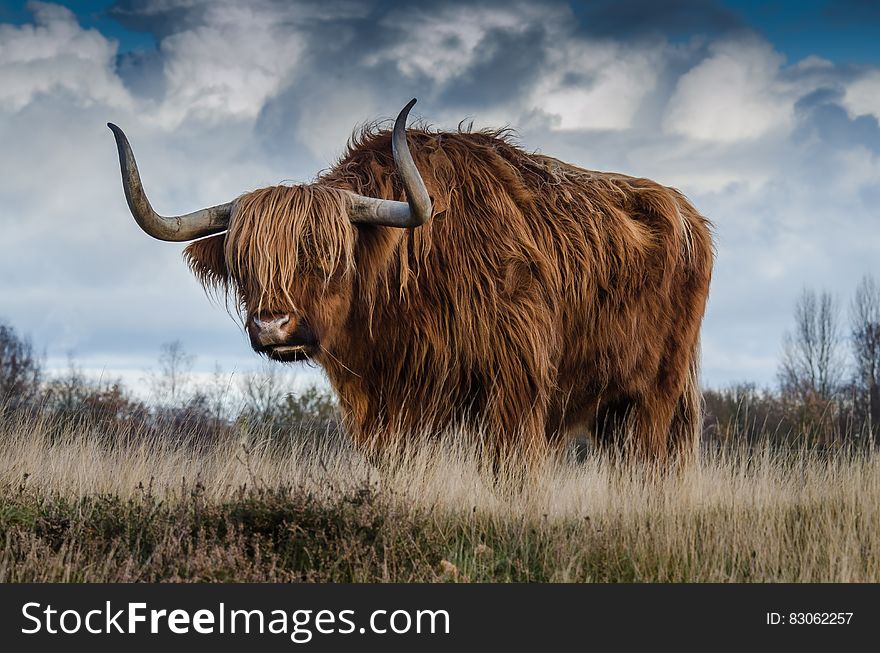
[
  {"x": 288, "y": 353},
  {"x": 282, "y": 339}
]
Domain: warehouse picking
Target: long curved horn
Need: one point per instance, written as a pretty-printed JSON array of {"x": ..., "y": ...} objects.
[
  {"x": 203, "y": 222},
  {"x": 416, "y": 211}
]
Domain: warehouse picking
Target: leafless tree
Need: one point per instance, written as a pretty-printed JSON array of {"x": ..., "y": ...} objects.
[
  {"x": 19, "y": 370},
  {"x": 66, "y": 392},
  {"x": 262, "y": 392},
  {"x": 812, "y": 361},
  {"x": 171, "y": 385},
  {"x": 219, "y": 393},
  {"x": 865, "y": 341}
]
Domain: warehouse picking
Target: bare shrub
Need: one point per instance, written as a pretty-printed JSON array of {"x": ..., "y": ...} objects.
[{"x": 20, "y": 372}]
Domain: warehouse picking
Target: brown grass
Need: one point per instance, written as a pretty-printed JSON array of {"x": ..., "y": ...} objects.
[{"x": 80, "y": 504}]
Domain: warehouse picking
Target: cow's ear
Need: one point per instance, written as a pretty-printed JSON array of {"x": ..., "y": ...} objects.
[{"x": 207, "y": 260}]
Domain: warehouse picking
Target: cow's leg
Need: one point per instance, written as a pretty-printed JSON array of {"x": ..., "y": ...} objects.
[
  {"x": 557, "y": 433},
  {"x": 609, "y": 425},
  {"x": 687, "y": 418},
  {"x": 371, "y": 432},
  {"x": 367, "y": 440},
  {"x": 679, "y": 385},
  {"x": 515, "y": 428},
  {"x": 687, "y": 424},
  {"x": 636, "y": 428},
  {"x": 650, "y": 426}
]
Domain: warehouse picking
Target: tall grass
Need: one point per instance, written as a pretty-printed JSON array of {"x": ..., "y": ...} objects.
[{"x": 82, "y": 502}]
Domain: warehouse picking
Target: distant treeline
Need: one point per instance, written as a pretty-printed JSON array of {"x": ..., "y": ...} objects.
[
  {"x": 263, "y": 401},
  {"x": 828, "y": 379},
  {"x": 827, "y": 395}
]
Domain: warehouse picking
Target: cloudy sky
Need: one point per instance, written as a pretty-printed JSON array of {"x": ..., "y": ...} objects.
[{"x": 764, "y": 113}]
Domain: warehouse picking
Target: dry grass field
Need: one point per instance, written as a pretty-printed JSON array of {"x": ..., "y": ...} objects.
[{"x": 81, "y": 504}]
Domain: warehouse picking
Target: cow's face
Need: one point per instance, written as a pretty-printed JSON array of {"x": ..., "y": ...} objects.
[
  {"x": 288, "y": 260},
  {"x": 288, "y": 252},
  {"x": 299, "y": 329}
]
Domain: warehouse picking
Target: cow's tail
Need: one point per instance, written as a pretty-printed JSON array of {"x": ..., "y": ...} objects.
[{"x": 687, "y": 421}]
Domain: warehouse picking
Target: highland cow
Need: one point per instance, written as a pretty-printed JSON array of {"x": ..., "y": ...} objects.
[{"x": 466, "y": 283}]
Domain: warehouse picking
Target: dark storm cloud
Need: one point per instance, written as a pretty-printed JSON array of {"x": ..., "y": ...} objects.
[
  {"x": 142, "y": 73},
  {"x": 504, "y": 64},
  {"x": 344, "y": 42},
  {"x": 323, "y": 16},
  {"x": 140, "y": 16},
  {"x": 623, "y": 19},
  {"x": 824, "y": 118},
  {"x": 343, "y": 37}
]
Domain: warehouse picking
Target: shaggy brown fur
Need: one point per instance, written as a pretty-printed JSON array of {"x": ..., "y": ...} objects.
[{"x": 540, "y": 297}]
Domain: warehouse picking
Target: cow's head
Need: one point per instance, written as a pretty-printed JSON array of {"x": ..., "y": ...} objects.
[{"x": 285, "y": 252}]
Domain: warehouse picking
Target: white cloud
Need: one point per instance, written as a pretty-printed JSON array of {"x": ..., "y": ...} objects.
[
  {"x": 735, "y": 94},
  {"x": 330, "y": 114},
  {"x": 595, "y": 85},
  {"x": 813, "y": 62},
  {"x": 55, "y": 55},
  {"x": 858, "y": 169},
  {"x": 862, "y": 96},
  {"x": 443, "y": 44},
  {"x": 228, "y": 67}
]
